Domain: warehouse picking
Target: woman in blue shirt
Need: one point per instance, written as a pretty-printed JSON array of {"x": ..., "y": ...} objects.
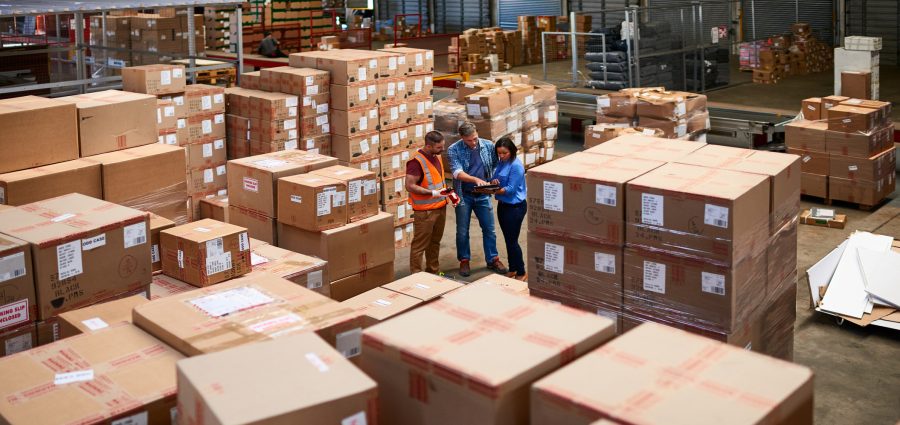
[{"x": 511, "y": 208}]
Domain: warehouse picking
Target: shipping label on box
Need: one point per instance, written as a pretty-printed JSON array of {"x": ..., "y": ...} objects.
[
  {"x": 154, "y": 79},
  {"x": 357, "y": 96},
  {"x": 356, "y": 121},
  {"x": 205, "y": 252},
  {"x": 312, "y": 202}
]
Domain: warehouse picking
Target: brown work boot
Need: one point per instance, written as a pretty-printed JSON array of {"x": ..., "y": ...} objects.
[
  {"x": 497, "y": 266},
  {"x": 464, "y": 269},
  {"x": 523, "y": 278}
]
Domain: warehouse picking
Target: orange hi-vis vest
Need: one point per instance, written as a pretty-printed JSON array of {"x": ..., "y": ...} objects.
[{"x": 432, "y": 179}]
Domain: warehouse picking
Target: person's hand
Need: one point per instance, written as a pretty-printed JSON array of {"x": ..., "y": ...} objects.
[
  {"x": 479, "y": 182},
  {"x": 437, "y": 194},
  {"x": 495, "y": 181}
]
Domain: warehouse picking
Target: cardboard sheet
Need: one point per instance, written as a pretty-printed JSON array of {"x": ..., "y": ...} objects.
[
  {"x": 846, "y": 293},
  {"x": 880, "y": 270},
  {"x": 820, "y": 273}
]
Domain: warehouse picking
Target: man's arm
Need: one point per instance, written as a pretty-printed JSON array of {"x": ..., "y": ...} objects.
[
  {"x": 456, "y": 168},
  {"x": 412, "y": 186}
]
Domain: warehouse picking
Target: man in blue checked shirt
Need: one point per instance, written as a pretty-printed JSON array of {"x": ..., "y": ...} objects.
[{"x": 472, "y": 161}]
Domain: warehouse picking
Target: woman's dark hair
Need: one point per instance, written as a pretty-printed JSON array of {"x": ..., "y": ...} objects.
[{"x": 506, "y": 142}]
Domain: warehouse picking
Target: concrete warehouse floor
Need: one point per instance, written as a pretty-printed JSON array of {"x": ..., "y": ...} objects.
[{"x": 857, "y": 370}]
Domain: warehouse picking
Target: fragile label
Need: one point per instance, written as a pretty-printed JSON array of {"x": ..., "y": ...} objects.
[
  {"x": 14, "y": 313},
  {"x": 314, "y": 280},
  {"x": 712, "y": 283},
  {"x": 68, "y": 260},
  {"x": 553, "y": 257},
  {"x": 605, "y": 263},
  {"x": 251, "y": 184},
  {"x": 349, "y": 343},
  {"x": 317, "y": 362},
  {"x": 652, "y": 209},
  {"x": 715, "y": 215},
  {"x": 358, "y": 419},
  {"x": 230, "y": 301},
  {"x": 323, "y": 203},
  {"x": 72, "y": 377},
  {"x": 553, "y": 196},
  {"x": 11, "y": 267},
  {"x": 606, "y": 195},
  {"x": 138, "y": 419},
  {"x": 94, "y": 242},
  {"x": 218, "y": 264},
  {"x": 654, "y": 277},
  {"x": 95, "y": 323}
]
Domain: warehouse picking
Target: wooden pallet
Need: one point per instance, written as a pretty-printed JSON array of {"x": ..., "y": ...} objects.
[{"x": 831, "y": 202}]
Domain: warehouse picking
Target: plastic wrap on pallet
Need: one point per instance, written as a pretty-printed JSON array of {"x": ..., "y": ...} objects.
[
  {"x": 611, "y": 312},
  {"x": 601, "y": 133},
  {"x": 169, "y": 202}
]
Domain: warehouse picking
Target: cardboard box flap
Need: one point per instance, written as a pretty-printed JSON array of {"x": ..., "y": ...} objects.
[
  {"x": 276, "y": 162},
  {"x": 695, "y": 180},
  {"x": 716, "y": 156},
  {"x": 204, "y": 230},
  {"x": 647, "y": 147},
  {"x": 424, "y": 286},
  {"x": 104, "y": 98},
  {"x": 163, "y": 286},
  {"x": 75, "y": 164},
  {"x": 281, "y": 262},
  {"x": 103, "y": 315},
  {"x": 381, "y": 304}
]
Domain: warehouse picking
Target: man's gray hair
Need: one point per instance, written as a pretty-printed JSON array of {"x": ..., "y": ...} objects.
[{"x": 466, "y": 129}]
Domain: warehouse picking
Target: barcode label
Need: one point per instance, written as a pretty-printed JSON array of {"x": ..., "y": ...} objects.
[
  {"x": 243, "y": 242},
  {"x": 349, "y": 343},
  {"x": 716, "y": 216},
  {"x": 652, "y": 209},
  {"x": 314, "y": 280},
  {"x": 606, "y": 195},
  {"x": 218, "y": 263},
  {"x": 12, "y": 266},
  {"x": 713, "y": 283},
  {"x": 215, "y": 247},
  {"x": 605, "y": 263},
  {"x": 654, "y": 277},
  {"x": 154, "y": 254}
]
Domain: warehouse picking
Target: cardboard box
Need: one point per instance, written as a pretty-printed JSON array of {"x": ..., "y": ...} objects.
[
  {"x": 473, "y": 387},
  {"x": 111, "y": 120},
  {"x": 379, "y": 304},
  {"x": 638, "y": 361},
  {"x": 204, "y": 99},
  {"x": 205, "y": 183},
  {"x": 508, "y": 284},
  {"x": 18, "y": 302},
  {"x": 850, "y": 119},
  {"x": 349, "y": 249},
  {"x": 35, "y": 184},
  {"x": 839, "y": 221},
  {"x": 393, "y": 189},
  {"x": 401, "y": 210},
  {"x": 165, "y": 114},
  {"x": 640, "y": 146},
  {"x": 812, "y": 162},
  {"x": 582, "y": 196},
  {"x": 272, "y": 106},
  {"x": 99, "y": 316},
  {"x": 403, "y": 236},
  {"x": 413, "y": 61},
  {"x": 306, "y": 271},
  {"x": 316, "y": 144},
  {"x": 734, "y": 206},
  {"x": 215, "y": 208},
  {"x": 252, "y": 180},
  {"x": 869, "y": 169},
  {"x": 296, "y": 81},
  {"x": 205, "y": 155},
  {"x": 355, "y": 121},
  {"x": 353, "y": 285},
  {"x": 418, "y": 110},
  {"x": 862, "y": 192},
  {"x": 420, "y": 86},
  {"x": 472, "y": 87},
  {"x": 258, "y": 225},
  {"x": 394, "y": 116},
  {"x": 359, "y": 96},
  {"x": 18, "y": 339},
  {"x": 362, "y": 190},
  {"x": 164, "y": 286},
  {"x": 157, "y": 224},
  {"x": 149, "y": 178},
  {"x": 243, "y": 311},
  {"x": 313, "y": 202},
  {"x": 885, "y": 109},
  {"x": 270, "y": 371},
  {"x": 314, "y": 105},
  {"x": 205, "y": 252},
  {"x": 423, "y": 286},
  {"x": 806, "y": 135},
  {"x": 487, "y": 104},
  {"x": 36, "y": 132},
  {"x": 345, "y": 68},
  {"x": 856, "y": 84},
  {"x": 97, "y": 248},
  {"x": 814, "y": 185},
  {"x": 357, "y": 147},
  {"x": 812, "y": 109},
  {"x": 860, "y": 145},
  {"x": 661, "y": 106},
  {"x": 673, "y": 129},
  {"x": 574, "y": 269},
  {"x": 154, "y": 79},
  {"x": 394, "y": 164},
  {"x": 205, "y": 127},
  {"x": 95, "y": 360}
]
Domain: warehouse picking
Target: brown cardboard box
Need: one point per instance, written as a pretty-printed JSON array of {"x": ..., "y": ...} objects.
[
  {"x": 353, "y": 285},
  {"x": 869, "y": 169},
  {"x": 205, "y": 154},
  {"x": 812, "y": 162},
  {"x": 734, "y": 207},
  {"x": 296, "y": 81},
  {"x": 258, "y": 225},
  {"x": 36, "y": 132},
  {"x": 473, "y": 388},
  {"x": 574, "y": 269},
  {"x": 423, "y": 286},
  {"x": 420, "y": 86},
  {"x": 508, "y": 284},
  {"x": 18, "y": 339},
  {"x": 352, "y": 122},
  {"x": 862, "y": 192},
  {"x": 814, "y": 185},
  {"x": 344, "y": 393},
  {"x": 204, "y": 99},
  {"x": 154, "y": 79},
  {"x": 413, "y": 61},
  {"x": 806, "y": 135},
  {"x": 645, "y": 147},
  {"x": 165, "y": 114},
  {"x": 672, "y": 128},
  {"x": 306, "y": 271},
  {"x": 98, "y": 316},
  {"x": 272, "y": 106},
  {"x": 316, "y": 144},
  {"x": 850, "y": 119},
  {"x": 520, "y": 95},
  {"x": 583, "y": 196},
  {"x": 885, "y": 109},
  {"x": 473, "y": 87},
  {"x": 157, "y": 224},
  {"x": 215, "y": 208},
  {"x": 391, "y": 91},
  {"x": 860, "y": 145},
  {"x": 394, "y": 116},
  {"x": 393, "y": 190},
  {"x": 357, "y": 147},
  {"x": 638, "y": 361},
  {"x": 149, "y": 178},
  {"x": 418, "y": 110},
  {"x": 205, "y": 252},
  {"x": 112, "y": 120},
  {"x": 362, "y": 190},
  {"x": 856, "y": 84},
  {"x": 359, "y": 96},
  {"x": 812, "y": 109},
  {"x": 204, "y": 182},
  {"x": 95, "y": 359},
  {"x": 623, "y": 122},
  {"x": 312, "y": 202},
  {"x": 345, "y": 68},
  {"x": 97, "y": 248},
  {"x": 617, "y": 105},
  {"x": 394, "y": 164},
  {"x": 403, "y": 236},
  {"x": 164, "y": 286},
  {"x": 203, "y": 127},
  {"x": 378, "y": 304},
  {"x": 35, "y": 184},
  {"x": 313, "y": 105},
  {"x": 177, "y": 99},
  {"x": 349, "y": 249},
  {"x": 661, "y": 106},
  {"x": 487, "y": 104},
  {"x": 18, "y": 303},
  {"x": 400, "y": 210},
  {"x": 212, "y": 319},
  {"x": 251, "y": 181},
  {"x": 275, "y": 130}
]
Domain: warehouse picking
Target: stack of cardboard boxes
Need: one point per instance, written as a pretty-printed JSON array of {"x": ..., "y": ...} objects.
[
  {"x": 796, "y": 54},
  {"x": 477, "y": 51},
  {"x": 627, "y": 251},
  {"x": 312, "y": 87},
  {"x": 847, "y": 149},
  {"x": 680, "y": 115},
  {"x": 218, "y": 24},
  {"x": 117, "y": 35},
  {"x": 860, "y": 55},
  {"x": 164, "y": 35},
  {"x": 531, "y": 39},
  {"x": 205, "y": 148}
]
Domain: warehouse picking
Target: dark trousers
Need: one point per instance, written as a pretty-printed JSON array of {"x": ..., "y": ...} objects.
[{"x": 510, "y": 217}]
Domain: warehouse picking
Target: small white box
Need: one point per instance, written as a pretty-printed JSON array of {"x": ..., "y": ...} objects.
[{"x": 872, "y": 44}]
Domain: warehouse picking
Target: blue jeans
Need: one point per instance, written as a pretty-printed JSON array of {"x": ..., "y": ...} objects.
[
  {"x": 511, "y": 217},
  {"x": 484, "y": 211}
]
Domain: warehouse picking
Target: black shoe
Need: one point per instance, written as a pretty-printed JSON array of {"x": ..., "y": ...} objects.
[{"x": 497, "y": 266}]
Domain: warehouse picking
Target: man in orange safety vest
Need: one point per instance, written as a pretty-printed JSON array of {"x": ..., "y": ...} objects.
[{"x": 428, "y": 198}]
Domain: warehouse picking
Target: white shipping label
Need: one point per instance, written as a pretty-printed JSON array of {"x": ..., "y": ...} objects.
[
  {"x": 290, "y": 124},
  {"x": 553, "y": 196},
  {"x": 180, "y": 259},
  {"x": 206, "y": 126},
  {"x": 603, "y": 101},
  {"x": 292, "y": 102},
  {"x": 648, "y": 132},
  {"x": 307, "y": 101},
  {"x": 354, "y": 189},
  {"x": 680, "y": 109},
  {"x": 171, "y": 139},
  {"x": 395, "y": 139},
  {"x": 215, "y": 247},
  {"x": 370, "y": 187},
  {"x": 473, "y": 110},
  {"x": 169, "y": 111},
  {"x": 420, "y": 131},
  {"x": 179, "y": 100},
  {"x": 349, "y": 343},
  {"x": 314, "y": 280},
  {"x": 177, "y": 72},
  {"x": 322, "y": 109},
  {"x": 310, "y": 80},
  {"x": 222, "y": 303},
  {"x": 606, "y": 195},
  {"x": 292, "y": 111},
  {"x": 251, "y": 185},
  {"x": 312, "y": 90},
  {"x": 138, "y": 419},
  {"x": 68, "y": 260},
  {"x": 364, "y": 166},
  {"x": 652, "y": 209},
  {"x": 529, "y": 99},
  {"x": 398, "y": 185},
  {"x": 206, "y": 102},
  {"x": 404, "y": 134},
  {"x": 358, "y": 419},
  {"x": 12, "y": 266},
  {"x": 220, "y": 170},
  {"x": 372, "y": 90},
  {"x": 323, "y": 203},
  {"x": 321, "y": 120},
  {"x": 420, "y": 108},
  {"x": 806, "y": 159},
  {"x": 681, "y": 130},
  {"x": 654, "y": 277},
  {"x": 207, "y": 150},
  {"x": 712, "y": 283},
  {"x": 363, "y": 95},
  {"x": 551, "y": 116},
  {"x": 218, "y": 263},
  {"x": 404, "y": 156},
  {"x": 392, "y": 63},
  {"x": 395, "y": 162},
  {"x": 364, "y": 145},
  {"x": 94, "y": 242},
  {"x": 392, "y": 89},
  {"x": 398, "y": 235},
  {"x": 361, "y": 74},
  {"x": 605, "y": 263},
  {"x": 256, "y": 259},
  {"x": 534, "y": 116},
  {"x": 551, "y": 133},
  {"x": 554, "y": 256},
  {"x": 165, "y": 78},
  {"x": 95, "y": 323},
  {"x": 208, "y": 175},
  {"x": 401, "y": 211},
  {"x": 339, "y": 199},
  {"x": 715, "y": 215},
  {"x": 363, "y": 123},
  {"x": 290, "y": 145},
  {"x": 219, "y": 98},
  {"x": 154, "y": 253},
  {"x": 18, "y": 344},
  {"x": 310, "y": 143},
  {"x": 71, "y": 377},
  {"x": 182, "y": 123},
  {"x": 219, "y": 144},
  {"x": 852, "y": 168},
  {"x": 417, "y": 85},
  {"x": 395, "y": 113}
]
